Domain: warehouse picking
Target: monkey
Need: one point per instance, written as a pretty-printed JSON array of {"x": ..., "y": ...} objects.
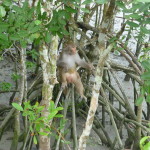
[{"x": 67, "y": 68}]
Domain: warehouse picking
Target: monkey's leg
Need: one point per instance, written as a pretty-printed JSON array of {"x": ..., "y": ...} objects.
[
  {"x": 79, "y": 87},
  {"x": 63, "y": 80}
]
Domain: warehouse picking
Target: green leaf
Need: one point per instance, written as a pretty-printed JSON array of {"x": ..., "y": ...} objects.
[
  {"x": 41, "y": 118},
  {"x": 144, "y": 139},
  {"x": 85, "y": 10},
  {"x": 7, "y": 2},
  {"x": 23, "y": 43},
  {"x": 134, "y": 16},
  {"x": 43, "y": 133},
  {"x": 3, "y": 26},
  {"x": 146, "y": 64},
  {"x": 37, "y": 22},
  {"x": 143, "y": 1},
  {"x": 30, "y": 64},
  {"x": 37, "y": 126},
  {"x": 146, "y": 76},
  {"x": 2, "y": 11},
  {"x": 25, "y": 6},
  {"x": 59, "y": 108},
  {"x": 101, "y": 1},
  {"x": 35, "y": 29},
  {"x": 54, "y": 28},
  {"x": 144, "y": 142},
  {"x": 135, "y": 7},
  {"x": 147, "y": 146},
  {"x": 62, "y": 21},
  {"x": 120, "y": 4},
  {"x": 139, "y": 100},
  {"x": 116, "y": 52},
  {"x": 6, "y": 86},
  {"x": 111, "y": 40},
  {"x": 47, "y": 37},
  {"x": 35, "y": 35},
  {"x": 146, "y": 21},
  {"x": 87, "y": 2},
  {"x": 11, "y": 18},
  {"x": 120, "y": 48},
  {"x": 148, "y": 98},
  {"x": 15, "y": 76},
  {"x": 27, "y": 105},
  {"x": 67, "y": 15},
  {"x": 17, "y": 106},
  {"x": 144, "y": 30},
  {"x": 52, "y": 106},
  {"x": 23, "y": 33},
  {"x": 69, "y": 9},
  {"x": 65, "y": 32},
  {"x": 14, "y": 37},
  {"x": 132, "y": 24},
  {"x": 52, "y": 115},
  {"x": 59, "y": 115},
  {"x": 31, "y": 129},
  {"x": 17, "y": 9},
  {"x": 4, "y": 37},
  {"x": 34, "y": 140}
]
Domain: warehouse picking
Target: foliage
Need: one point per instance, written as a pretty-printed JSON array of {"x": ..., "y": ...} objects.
[
  {"x": 137, "y": 20},
  {"x": 39, "y": 125},
  {"x": 5, "y": 86},
  {"x": 15, "y": 76},
  {"x": 25, "y": 24},
  {"x": 145, "y": 143},
  {"x": 145, "y": 89},
  {"x": 137, "y": 17},
  {"x": 33, "y": 53}
]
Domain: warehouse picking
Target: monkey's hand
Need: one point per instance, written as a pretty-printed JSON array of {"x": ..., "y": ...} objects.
[{"x": 64, "y": 85}]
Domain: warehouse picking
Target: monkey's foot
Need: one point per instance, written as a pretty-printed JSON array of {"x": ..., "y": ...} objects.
[{"x": 64, "y": 85}]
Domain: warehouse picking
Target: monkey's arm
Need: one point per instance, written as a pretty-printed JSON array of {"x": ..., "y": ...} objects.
[{"x": 83, "y": 63}]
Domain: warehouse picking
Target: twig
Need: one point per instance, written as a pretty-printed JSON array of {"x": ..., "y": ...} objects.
[
  {"x": 123, "y": 93},
  {"x": 112, "y": 119},
  {"x": 26, "y": 139},
  {"x": 7, "y": 118},
  {"x": 66, "y": 103},
  {"x": 115, "y": 94},
  {"x": 58, "y": 96},
  {"x": 74, "y": 121},
  {"x": 9, "y": 91},
  {"x": 14, "y": 143},
  {"x": 97, "y": 123},
  {"x": 121, "y": 116}
]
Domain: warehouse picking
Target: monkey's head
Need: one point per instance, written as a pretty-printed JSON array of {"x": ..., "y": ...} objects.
[{"x": 70, "y": 49}]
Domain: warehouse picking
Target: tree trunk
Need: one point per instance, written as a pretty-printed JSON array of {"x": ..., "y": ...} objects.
[{"x": 48, "y": 62}]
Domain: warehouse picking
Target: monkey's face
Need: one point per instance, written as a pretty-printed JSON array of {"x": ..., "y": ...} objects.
[{"x": 73, "y": 49}]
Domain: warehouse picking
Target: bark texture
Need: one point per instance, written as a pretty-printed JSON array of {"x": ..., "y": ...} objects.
[{"x": 48, "y": 62}]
